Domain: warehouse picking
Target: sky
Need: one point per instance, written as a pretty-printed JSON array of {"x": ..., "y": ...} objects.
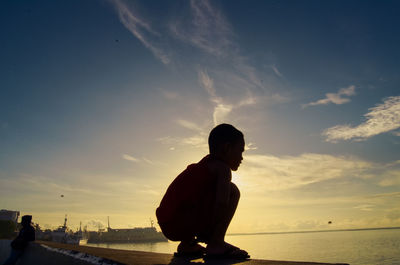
[{"x": 106, "y": 102}]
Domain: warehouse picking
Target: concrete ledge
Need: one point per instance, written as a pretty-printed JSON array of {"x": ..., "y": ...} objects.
[
  {"x": 38, "y": 254},
  {"x": 131, "y": 257},
  {"x": 49, "y": 253}
]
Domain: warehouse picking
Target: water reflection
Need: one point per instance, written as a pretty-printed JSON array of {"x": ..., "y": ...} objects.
[
  {"x": 372, "y": 247},
  {"x": 179, "y": 261},
  {"x": 159, "y": 247}
]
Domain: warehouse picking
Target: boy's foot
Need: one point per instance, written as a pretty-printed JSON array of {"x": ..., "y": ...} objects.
[
  {"x": 226, "y": 251},
  {"x": 189, "y": 249}
]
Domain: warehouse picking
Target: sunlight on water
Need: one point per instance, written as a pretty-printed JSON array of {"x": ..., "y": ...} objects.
[
  {"x": 161, "y": 247},
  {"x": 378, "y": 247},
  {"x": 368, "y": 247}
]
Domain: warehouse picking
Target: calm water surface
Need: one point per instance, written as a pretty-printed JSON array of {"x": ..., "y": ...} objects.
[{"x": 366, "y": 247}]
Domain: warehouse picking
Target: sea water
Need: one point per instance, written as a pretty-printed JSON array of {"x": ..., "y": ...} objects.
[{"x": 363, "y": 247}]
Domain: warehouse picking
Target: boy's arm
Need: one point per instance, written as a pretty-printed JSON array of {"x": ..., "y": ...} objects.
[
  {"x": 31, "y": 234},
  {"x": 223, "y": 187}
]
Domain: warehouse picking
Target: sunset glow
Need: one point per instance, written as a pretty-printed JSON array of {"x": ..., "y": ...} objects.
[{"x": 106, "y": 102}]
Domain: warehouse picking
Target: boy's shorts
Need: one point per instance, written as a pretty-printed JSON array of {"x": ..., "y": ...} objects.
[
  {"x": 192, "y": 222},
  {"x": 186, "y": 227}
]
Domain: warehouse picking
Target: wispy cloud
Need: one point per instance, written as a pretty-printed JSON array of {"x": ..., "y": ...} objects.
[
  {"x": 189, "y": 125},
  {"x": 221, "y": 110},
  {"x": 208, "y": 84},
  {"x": 364, "y": 207},
  {"x": 234, "y": 82},
  {"x": 152, "y": 162},
  {"x": 143, "y": 159},
  {"x": 228, "y": 76},
  {"x": 383, "y": 118},
  {"x": 391, "y": 178},
  {"x": 385, "y": 195},
  {"x": 130, "y": 158},
  {"x": 211, "y": 32},
  {"x": 396, "y": 133},
  {"x": 276, "y": 71},
  {"x": 264, "y": 173},
  {"x": 198, "y": 140},
  {"x": 208, "y": 31},
  {"x": 171, "y": 95},
  {"x": 268, "y": 172},
  {"x": 251, "y": 146},
  {"x": 140, "y": 29},
  {"x": 338, "y": 98}
]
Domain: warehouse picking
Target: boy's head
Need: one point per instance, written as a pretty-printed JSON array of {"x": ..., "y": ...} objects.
[
  {"x": 26, "y": 220},
  {"x": 227, "y": 143}
]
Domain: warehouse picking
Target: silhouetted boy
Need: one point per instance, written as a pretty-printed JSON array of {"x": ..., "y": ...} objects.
[
  {"x": 200, "y": 203},
  {"x": 18, "y": 245}
]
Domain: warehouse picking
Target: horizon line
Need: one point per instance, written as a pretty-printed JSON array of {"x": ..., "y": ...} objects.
[{"x": 312, "y": 231}]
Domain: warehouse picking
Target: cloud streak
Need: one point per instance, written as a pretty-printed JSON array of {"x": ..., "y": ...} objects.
[
  {"x": 144, "y": 159},
  {"x": 232, "y": 76},
  {"x": 189, "y": 125},
  {"x": 392, "y": 178},
  {"x": 276, "y": 71},
  {"x": 209, "y": 31},
  {"x": 140, "y": 29},
  {"x": 335, "y": 98},
  {"x": 130, "y": 158},
  {"x": 221, "y": 110},
  {"x": 198, "y": 140},
  {"x": 230, "y": 80},
  {"x": 264, "y": 173},
  {"x": 383, "y": 118},
  {"x": 268, "y": 172}
]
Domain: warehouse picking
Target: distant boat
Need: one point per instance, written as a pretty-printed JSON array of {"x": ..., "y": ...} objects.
[
  {"x": 127, "y": 235},
  {"x": 61, "y": 235}
]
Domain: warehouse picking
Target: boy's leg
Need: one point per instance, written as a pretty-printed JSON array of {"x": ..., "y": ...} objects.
[
  {"x": 183, "y": 229},
  {"x": 177, "y": 230},
  {"x": 216, "y": 245},
  {"x": 221, "y": 225}
]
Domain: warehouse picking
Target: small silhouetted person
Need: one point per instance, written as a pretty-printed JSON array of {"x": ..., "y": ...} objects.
[
  {"x": 200, "y": 203},
  {"x": 19, "y": 244}
]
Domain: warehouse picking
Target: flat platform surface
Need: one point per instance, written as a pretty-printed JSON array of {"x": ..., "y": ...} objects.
[{"x": 132, "y": 257}]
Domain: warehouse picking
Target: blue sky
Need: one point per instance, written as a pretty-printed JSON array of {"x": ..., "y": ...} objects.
[{"x": 106, "y": 102}]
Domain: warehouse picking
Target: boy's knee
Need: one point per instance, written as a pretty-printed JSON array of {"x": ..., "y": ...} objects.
[
  {"x": 235, "y": 193},
  {"x": 176, "y": 231}
]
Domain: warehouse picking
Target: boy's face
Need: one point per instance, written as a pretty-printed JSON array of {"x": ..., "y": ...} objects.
[{"x": 233, "y": 155}]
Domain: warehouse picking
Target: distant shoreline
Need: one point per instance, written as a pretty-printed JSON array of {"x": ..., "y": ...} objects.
[{"x": 312, "y": 231}]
